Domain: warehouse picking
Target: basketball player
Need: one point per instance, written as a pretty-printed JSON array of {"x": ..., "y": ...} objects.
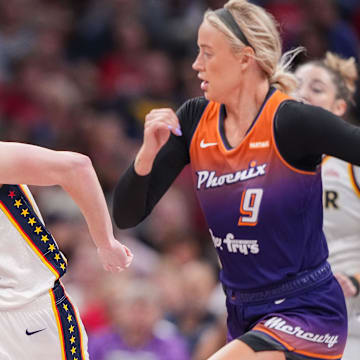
[
  {"x": 255, "y": 155},
  {"x": 330, "y": 83},
  {"x": 37, "y": 318}
]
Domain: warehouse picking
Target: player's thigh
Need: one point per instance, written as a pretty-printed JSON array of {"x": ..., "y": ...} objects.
[
  {"x": 48, "y": 328},
  {"x": 237, "y": 349},
  {"x": 31, "y": 334}
]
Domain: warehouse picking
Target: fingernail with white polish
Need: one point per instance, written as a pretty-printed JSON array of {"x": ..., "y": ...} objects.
[{"x": 178, "y": 131}]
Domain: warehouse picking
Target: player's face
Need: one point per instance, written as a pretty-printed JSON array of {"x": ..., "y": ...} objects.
[
  {"x": 316, "y": 86},
  {"x": 217, "y": 65}
]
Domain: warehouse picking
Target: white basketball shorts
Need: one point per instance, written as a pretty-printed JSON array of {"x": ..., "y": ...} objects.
[{"x": 47, "y": 328}]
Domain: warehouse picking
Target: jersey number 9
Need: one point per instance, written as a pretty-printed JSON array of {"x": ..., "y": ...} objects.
[{"x": 249, "y": 207}]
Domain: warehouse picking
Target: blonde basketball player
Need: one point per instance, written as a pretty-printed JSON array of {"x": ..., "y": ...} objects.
[{"x": 254, "y": 154}]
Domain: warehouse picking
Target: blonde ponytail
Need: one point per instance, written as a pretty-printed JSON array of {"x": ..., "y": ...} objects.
[{"x": 283, "y": 79}]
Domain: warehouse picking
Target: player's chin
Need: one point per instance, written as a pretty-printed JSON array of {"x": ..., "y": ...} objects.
[
  {"x": 208, "y": 95},
  {"x": 213, "y": 97}
]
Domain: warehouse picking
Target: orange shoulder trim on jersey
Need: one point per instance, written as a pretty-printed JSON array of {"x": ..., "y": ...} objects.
[
  {"x": 211, "y": 110},
  {"x": 209, "y": 114},
  {"x": 277, "y": 99}
]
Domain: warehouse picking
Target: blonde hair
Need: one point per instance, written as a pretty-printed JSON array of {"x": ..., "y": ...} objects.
[
  {"x": 344, "y": 74},
  {"x": 260, "y": 29}
]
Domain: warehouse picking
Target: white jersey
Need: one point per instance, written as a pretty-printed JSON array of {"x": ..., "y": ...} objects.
[
  {"x": 341, "y": 185},
  {"x": 30, "y": 261}
]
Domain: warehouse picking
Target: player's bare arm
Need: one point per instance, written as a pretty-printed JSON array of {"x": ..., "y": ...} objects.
[{"x": 34, "y": 165}]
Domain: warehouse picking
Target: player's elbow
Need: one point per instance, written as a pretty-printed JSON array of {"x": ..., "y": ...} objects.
[
  {"x": 83, "y": 162},
  {"x": 75, "y": 167},
  {"x": 80, "y": 164}
]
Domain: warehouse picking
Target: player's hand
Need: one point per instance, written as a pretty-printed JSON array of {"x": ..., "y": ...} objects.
[
  {"x": 159, "y": 123},
  {"x": 346, "y": 284},
  {"x": 115, "y": 257}
]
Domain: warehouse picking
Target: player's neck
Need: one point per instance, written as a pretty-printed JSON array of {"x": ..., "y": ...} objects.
[{"x": 241, "y": 112}]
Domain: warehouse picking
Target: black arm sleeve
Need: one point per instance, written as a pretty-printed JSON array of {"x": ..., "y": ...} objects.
[
  {"x": 135, "y": 196},
  {"x": 304, "y": 133}
]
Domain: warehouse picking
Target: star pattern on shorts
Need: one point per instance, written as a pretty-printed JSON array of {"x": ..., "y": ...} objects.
[
  {"x": 73, "y": 335},
  {"x": 18, "y": 203},
  {"x": 38, "y": 230},
  {"x": 51, "y": 247},
  {"x": 32, "y": 221},
  {"x": 25, "y": 212},
  {"x": 44, "y": 238}
]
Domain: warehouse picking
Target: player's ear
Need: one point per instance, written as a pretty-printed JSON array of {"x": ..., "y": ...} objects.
[
  {"x": 246, "y": 56},
  {"x": 339, "y": 107}
]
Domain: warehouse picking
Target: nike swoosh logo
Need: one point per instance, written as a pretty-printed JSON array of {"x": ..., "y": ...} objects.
[
  {"x": 277, "y": 302},
  {"x": 33, "y": 332},
  {"x": 204, "y": 145}
]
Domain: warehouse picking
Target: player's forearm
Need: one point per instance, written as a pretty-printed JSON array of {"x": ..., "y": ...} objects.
[
  {"x": 34, "y": 165},
  {"x": 83, "y": 186},
  {"x": 355, "y": 279},
  {"x": 135, "y": 195},
  {"x": 130, "y": 198},
  {"x": 144, "y": 162}
]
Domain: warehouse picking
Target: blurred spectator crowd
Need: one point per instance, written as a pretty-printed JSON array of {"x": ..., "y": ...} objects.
[{"x": 81, "y": 75}]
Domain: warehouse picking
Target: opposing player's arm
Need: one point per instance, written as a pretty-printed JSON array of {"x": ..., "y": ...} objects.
[
  {"x": 355, "y": 279},
  {"x": 34, "y": 165},
  {"x": 350, "y": 284}
]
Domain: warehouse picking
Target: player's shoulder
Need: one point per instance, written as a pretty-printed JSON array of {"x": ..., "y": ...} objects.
[
  {"x": 296, "y": 114},
  {"x": 294, "y": 105},
  {"x": 299, "y": 108},
  {"x": 190, "y": 113},
  {"x": 194, "y": 105}
]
